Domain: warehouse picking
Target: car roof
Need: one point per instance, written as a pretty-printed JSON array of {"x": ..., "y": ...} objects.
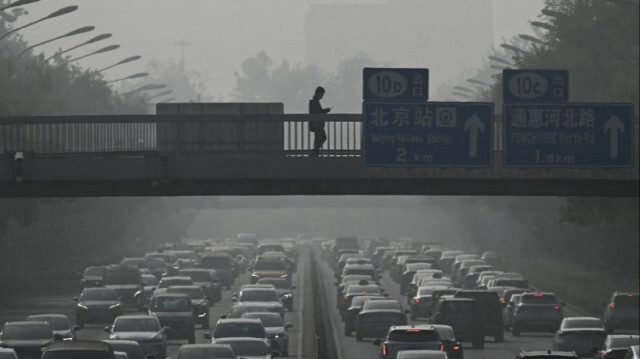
[
  {"x": 26, "y": 323},
  {"x": 79, "y": 345},
  {"x": 239, "y": 320},
  {"x": 53, "y": 315},
  {"x": 171, "y": 295}
]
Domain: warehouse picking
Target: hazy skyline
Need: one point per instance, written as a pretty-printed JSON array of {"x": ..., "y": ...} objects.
[{"x": 223, "y": 33}]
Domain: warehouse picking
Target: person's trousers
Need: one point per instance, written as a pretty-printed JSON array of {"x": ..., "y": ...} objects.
[{"x": 319, "y": 137}]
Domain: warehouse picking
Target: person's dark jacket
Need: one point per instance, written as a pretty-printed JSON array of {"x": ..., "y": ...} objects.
[{"x": 316, "y": 108}]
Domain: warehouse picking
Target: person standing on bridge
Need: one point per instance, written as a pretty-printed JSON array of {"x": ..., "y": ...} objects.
[{"x": 317, "y": 127}]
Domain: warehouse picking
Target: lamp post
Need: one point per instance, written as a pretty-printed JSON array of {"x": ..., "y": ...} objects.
[
  {"x": 161, "y": 94},
  {"x": 128, "y": 59},
  {"x": 18, "y": 3},
  {"x": 500, "y": 60},
  {"x": 513, "y": 48},
  {"x": 77, "y": 31},
  {"x": 134, "y": 76},
  {"x": 60, "y": 12},
  {"x": 102, "y": 50},
  {"x": 90, "y": 41}
]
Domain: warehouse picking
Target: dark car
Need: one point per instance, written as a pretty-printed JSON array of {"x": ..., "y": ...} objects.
[
  {"x": 199, "y": 302},
  {"x": 60, "y": 324},
  {"x": 206, "y": 278},
  {"x": 126, "y": 280},
  {"x": 283, "y": 288},
  {"x": 422, "y": 303},
  {"x": 451, "y": 345},
  {"x": 26, "y": 338},
  {"x": 408, "y": 337},
  {"x": 79, "y": 350},
  {"x": 616, "y": 346},
  {"x": 149, "y": 285},
  {"x": 351, "y": 314},
  {"x": 174, "y": 310},
  {"x": 97, "y": 305},
  {"x": 376, "y": 316},
  {"x": 462, "y": 315},
  {"x": 490, "y": 310},
  {"x": 537, "y": 312},
  {"x": 92, "y": 276},
  {"x": 222, "y": 263},
  {"x": 144, "y": 329},
  {"x": 621, "y": 312}
]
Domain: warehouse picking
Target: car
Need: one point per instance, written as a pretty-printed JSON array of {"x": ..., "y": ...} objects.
[
  {"x": 253, "y": 348},
  {"x": 409, "y": 272},
  {"x": 546, "y": 355},
  {"x": 283, "y": 288},
  {"x": 633, "y": 352},
  {"x": 539, "y": 311},
  {"x": 495, "y": 259},
  {"x": 126, "y": 280},
  {"x": 237, "y": 327},
  {"x": 621, "y": 312},
  {"x": 422, "y": 303},
  {"x": 130, "y": 347},
  {"x": 206, "y": 278},
  {"x": 357, "y": 289},
  {"x": 8, "y": 353},
  {"x": 446, "y": 260},
  {"x": 268, "y": 296},
  {"x": 143, "y": 296},
  {"x": 97, "y": 305},
  {"x": 166, "y": 282},
  {"x": 490, "y": 310},
  {"x": 92, "y": 276},
  {"x": 199, "y": 302},
  {"x": 142, "y": 328},
  {"x": 27, "y": 338},
  {"x": 175, "y": 311},
  {"x": 450, "y": 344},
  {"x": 462, "y": 315},
  {"x": 93, "y": 349},
  {"x": 408, "y": 337},
  {"x": 376, "y": 316},
  {"x": 350, "y": 315},
  {"x": 223, "y": 265},
  {"x": 422, "y": 354},
  {"x": 206, "y": 351},
  {"x": 275, "y": 328},
  {"x": 507, "y": 311},
  {"x": 582, "y": 335},
  {"x": 616, "y": 346},
  {"x": 238, "y": 309},
  {"x": 60, "y": 324}
]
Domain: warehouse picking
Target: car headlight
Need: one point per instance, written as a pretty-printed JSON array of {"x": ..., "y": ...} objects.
[
  {"x": 284, "y": 276},
  {"x": 80, "y": 306},
  {"x": 278, "y": 336},
  {"x": 287, "y": 296},
  {"x": 114, "y": 306}
]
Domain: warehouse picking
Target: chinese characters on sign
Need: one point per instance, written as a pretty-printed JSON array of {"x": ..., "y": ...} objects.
[
  {"x": 539, "y": 86},
  {"x": 428, "y": 134},
  {"x": 568, "y": 135}
]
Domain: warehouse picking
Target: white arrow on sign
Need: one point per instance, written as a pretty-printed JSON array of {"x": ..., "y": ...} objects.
[
  {"x": 473, "y": 124},
  {"x": 613, "y": 125}
]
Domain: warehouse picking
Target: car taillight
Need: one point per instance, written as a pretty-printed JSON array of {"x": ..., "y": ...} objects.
[
  {"x": 612, "y": 306},
  {"x": 441, "y": 347},
  {"x": 416, "y": 300},
  {"x": 556, "y": 307},
  {"x": 456, "y": 347},
  {"x": 384, "y": 349},
  {"x": 539, "y": 295}
]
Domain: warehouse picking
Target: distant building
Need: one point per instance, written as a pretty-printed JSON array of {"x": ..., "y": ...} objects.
[{"x": 446, "y": 36}]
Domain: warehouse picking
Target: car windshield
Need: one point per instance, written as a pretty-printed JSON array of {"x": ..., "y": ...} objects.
[
  {"x": 627, "y": 301},
  {"x": 460, "y": 309},
  {"x": 257, "y": 295},
  {"x": 77, "y": 354},
  {"x": 124, "y": 277},
  {"x": 133, "y": 350},
  {"x": 56, "y": 323},
  {"x": 391, "y": 305},
  {"x": 413, "y": 335},
  {"x": 171, "y": 304},
  {"x": 249, "y": 348},
  {"x": 192, "y": 292},
  {"x": 583, "y": 323},
  {"x": 270, "y": 265},
  {"x": 99, "y": 294},
  {"x": 27, "y": 332},
  {"x": 368, "y": 289},
  {"x": 227, "y": 330},
  {"x": 205, "y": 353},
  {"x": 267, "y": 319},
  {"x": 136, "y": 325}
]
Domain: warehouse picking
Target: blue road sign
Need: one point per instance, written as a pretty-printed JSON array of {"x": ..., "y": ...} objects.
[
  {"x": 568, "y": 135},
  {"x": 437, "y": 134},
  {"x": 389, "y": 84},
  {"x": 535, "y": 86}
]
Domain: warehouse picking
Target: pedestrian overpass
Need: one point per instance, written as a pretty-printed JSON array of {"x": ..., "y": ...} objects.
[{"x": 251, "y": 154}]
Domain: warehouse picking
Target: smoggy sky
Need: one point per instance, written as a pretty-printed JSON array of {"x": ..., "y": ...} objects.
[{"x": 222, "y": 33}]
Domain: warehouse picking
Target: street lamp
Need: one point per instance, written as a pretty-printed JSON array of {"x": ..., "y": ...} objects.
[
  {"x": 77, "y": 31},
  {"x": 462, "y": 88},
  {"x": 161, "y": 94},
  {"x": 18, "y": 3},
  {"x": 134, "y": 76},
  {"x": 60, "y": 12},
  {"x": 460, "y": 94},
  {"x": 104, "y": 49},
  {"x": 90, "y": 41},
  {"x": 552, "y": 13},
  {"x": 128, "y": 59},
  {"x": 513, "y": 48},
  {"x": 543, "y": 25},
  {"x": 532, "y": 39}
]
